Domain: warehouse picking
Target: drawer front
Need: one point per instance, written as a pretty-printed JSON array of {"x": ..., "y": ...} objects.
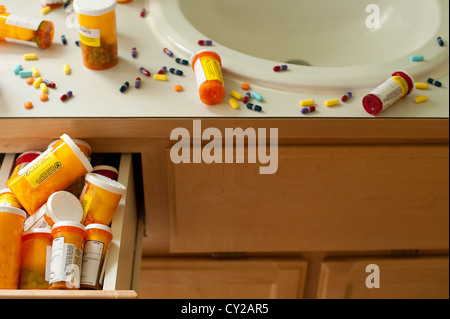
[
  {"x": 406, "y": 278},
  {"x": 122, "y": 266},
  {"x": 322, "y": 198},
  {"x": 189, "y": 278}
]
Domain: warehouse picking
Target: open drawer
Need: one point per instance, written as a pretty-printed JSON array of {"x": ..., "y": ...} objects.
[{"x": 124, "y": 255}]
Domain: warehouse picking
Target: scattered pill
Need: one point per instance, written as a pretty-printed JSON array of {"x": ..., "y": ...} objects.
[
  {"x": 28, "y": 105},
  {"x": 17, "y": 69},
  {"x": 30, "y": 56},
  {"x": 440, "y": 41},
  {"x": 430, "y": 81},
  {"x": 35, "y": 71},
  {"x": 178, "y": 88},
  {"x": 124, "y": 87},
  {"x": 234, "y": 104},
  {"x": 182, "y": 61},
  {"x": 30, "y": 80},
  {"x": 145, "y": 72},
  {"x": 205, "y": 42},
  {"x": 417, "y": 58},
  {"x": 137, "y": 83},
  {"x": 143, "y": 12},
  {"x": 308, "y": 109},
  {"x": 67, "y": 95},
  {"x": 63, "y": 39},
  {"x": 160, "y": 77},
  {"x": 330, "y": 103},
  {"x": 236, "y": 95},
  {"x": 46, "y": 10},
  {"x": 175, "y": 71},
  {"x": 163, "y": 70},
  {"x": 257, "y": 96},
  {"x": 279, "y": 68},
  {"x": 254, "y": 107},
  {"x": 347, "y": 97},
  {"x": 438, "y": 84},
  {"x": 421, "y": 99},
  {"x": 307, "y": 102},
  {"x": 421, "y": 86},
  {"x": 245, "y": 86},
  {"x": 168, "y": 52},
  {"x": 67, "y": 3},
  {"x": 25, "y": 74},
  {"x": 77, "y": 43},
  {"x": 37, "y": 82},
  {"x": 247, "y": 97},
  {"x": 43, "y": 97},
  {"x": 43, "y": 87},
  {"x": 50, "y": 84},
  {"x": 66, "y": 69},
  {"x": 134, "y": 53}
]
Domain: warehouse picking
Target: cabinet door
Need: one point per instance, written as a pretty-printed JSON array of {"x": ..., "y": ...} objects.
[
  {"x": 406, "y": 278},
  {"x": 201, "y": 278}
]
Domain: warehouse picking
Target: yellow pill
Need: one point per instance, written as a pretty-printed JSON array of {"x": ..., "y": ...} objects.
[
  {"x": 37, "y": 82},
  {"x": 160, "y": 77},
  {"x": 44, "y": 88},
  {"x": 30, "y": 56},
  {"x": 46, "y": 10},
  {"x": 331, "y": 102},
  {"x": 35, "y": 71},
  {"x": 236, "y": 95},
  {"x": 234, "y": 104},
  {"x": 421, "y": 99},
  {"x": 306, "y": 102},
  {"x": 66, "y": 69},
  {"x": 421, "y": 86}
]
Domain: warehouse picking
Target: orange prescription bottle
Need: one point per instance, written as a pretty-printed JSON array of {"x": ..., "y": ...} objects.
[
  {"x": 100, "y": 198},
  {"x": 25, "y": 30},
  {"x": 207, "y": 67},
  {"x": 23, "y": 159},
  {"x": 67, "y": 254},
  {"x": 52, "y": 171},
  {"x": 82, "y": 145},
  {"x": 35, "y": 262},
  {"x": 94, "y": 255},
  {"x": 11, "y": 229},
  {"x": 60, "y": 206},
  {"x": 98, "y": 34},
  {"x": 7, "y": 198}
]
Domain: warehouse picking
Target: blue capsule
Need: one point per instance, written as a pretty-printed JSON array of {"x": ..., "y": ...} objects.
[
  {"x": 25, "y": 74},
  {"x": 77, "y": 43},
  {"x": 63, "y": 39},
  {"x": 124, "y": 87},
  {"x": 440, "y": 41},
  {"x": 175, "y": 71},
  {"x": 254, "y": 107},
  {"x": 181, "y": 61},
  {"x": 417, "y": 58},
  {"x": 17, "y": 69},
  {"x": 434, "y": 82},
  {"x": 257, "y": 96}
]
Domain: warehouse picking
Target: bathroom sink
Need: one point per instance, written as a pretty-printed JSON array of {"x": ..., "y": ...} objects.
[{"x": 327, "y": 45}]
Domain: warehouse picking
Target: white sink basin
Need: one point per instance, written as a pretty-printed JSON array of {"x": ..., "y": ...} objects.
[{"x": 326, "y": 44}]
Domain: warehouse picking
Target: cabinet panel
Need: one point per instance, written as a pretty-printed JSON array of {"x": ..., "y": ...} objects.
[
  {"x": 417, "y": 278},
  {"x": 322, "y": 198},
  {"x": 200, "y": 278}
]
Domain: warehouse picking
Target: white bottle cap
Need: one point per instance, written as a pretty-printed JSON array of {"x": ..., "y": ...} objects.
[{"x": 63, "y": 206}]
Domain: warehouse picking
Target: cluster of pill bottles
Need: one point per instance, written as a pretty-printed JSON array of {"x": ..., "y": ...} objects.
[{"x": 55, "y": 218}]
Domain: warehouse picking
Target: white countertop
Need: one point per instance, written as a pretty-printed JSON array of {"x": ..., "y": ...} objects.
[{"x": 96, "y": 93}]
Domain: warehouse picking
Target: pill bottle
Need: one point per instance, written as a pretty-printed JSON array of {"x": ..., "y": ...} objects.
[
  {"x": 107, "y": 171},
  {"x": 82, "y": 145},
  {"x": 7, "y": 198},
  {"x": 35, "y": 261},
  {"x": 23, "y": 160},
  {"x": 396, "y": 87},
  {"x": 207, "y": 67},
  {"x": 25, "y": 30},
  {"x": 52, "y": 171},
  {"x": 11, "y": 229},
  {"x": 52, "y": 3},
  {"x": 98, "y": 35},
  {"x": 60, "y": 206},
  {"x": 94, "y": 255},
  {"x": 67, "y": 254},
  {"x": 100, "y": 198}
]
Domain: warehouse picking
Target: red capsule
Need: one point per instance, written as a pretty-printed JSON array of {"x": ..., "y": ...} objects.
[{"x": 145, "y": 72}]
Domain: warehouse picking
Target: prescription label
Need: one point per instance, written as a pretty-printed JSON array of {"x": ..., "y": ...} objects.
[
  {"x": 207, "y": 69},
  {"x": 65, "y": 263},
  {"x": 391, "y": 91},
  {"x": 37, "y": 172},
  {"x": 9, "y": 199},
  {"x": 23, "y": 22},
  {"x": 92, "y": 256},
  {"x": 89, "y": 37},
  {"x": 86, "y": 204}
]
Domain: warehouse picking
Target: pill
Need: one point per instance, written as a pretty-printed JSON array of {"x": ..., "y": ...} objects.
[
  {"x": 168, "y": 52},
  {"x": 421, "y": 86},
  {"x": 17, "y": 69},
  {"x": 178, "y": 88},
  {"x": 430, "y": 81},
  {"x": 46, "y": 10},
  {"x": 417, "y": 58},
  {"x": 43, "y": 87},
  {"x": 245, "y": 86},
  {"x": 35, "y": 71},
  {"x": 30, "y": 80},
  {"x": 254, "y": 107},
  {"x": 175, "y": 71},
  {"x": 66, "y": 69},
  {"x": 124, "y": 87},
  {"x": 438, "y": 84},
  {"x": 440, "y": 41},
  {"x": 160, "y": 77},
  {"x": 50, "y": 84},
  {"x": 181, "y": 61},
  {"x": 163, "y": 70},
  {"x": 279, "y": 68},
  {"x": 66, "y": 95},
  {"x": 234, "y": 104},
  {"x": 247, "y": 97},
  {"x": 43, "y": 97},
  {"x": 63, "y": 39},
  {"x": 308, "y": 109},
  {"x": 145, "y": 72},
  {"x": 30, "y": 56},
  {"x": 37, "y": 82},
  {"x": 205, "y": 42},
  {"x": 25, "y": 74},
  {"x": 137, "y": 84},
  {"x": 346, "y": 97},
  {"x": 134, "y": 53},
  {"x": 236, "y": 95},
  {"x": 331, "y": 102},
  {"x": 28, "y": 105},
  {"x": 421, "y": 99},
  {"x": 143, "y": 12},
  {"x": 77, "y": 43},
  {"x": 257, "y": 96},
  {"x": 307, "y": 102}
]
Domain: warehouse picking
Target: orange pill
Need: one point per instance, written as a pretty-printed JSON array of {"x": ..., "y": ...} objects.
[
  {"x": 43, "y": 97},
  {"x": 178, "y": 88},
  {"x": 30, "y": 80},
  {"x": 28, "y": 105},
  {"x": 245, "y": 86}
]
